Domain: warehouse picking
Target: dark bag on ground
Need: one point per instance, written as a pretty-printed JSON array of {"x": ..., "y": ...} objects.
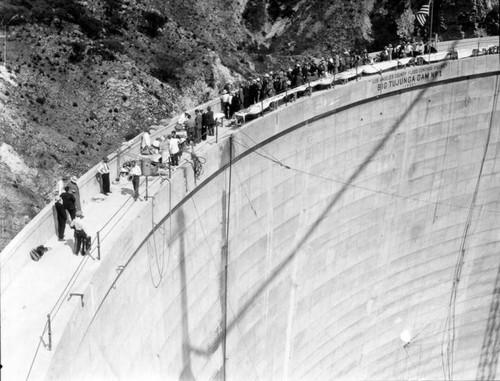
[
  {"x": 38, "y": 252},
  {"x": 87, "y": 244}
]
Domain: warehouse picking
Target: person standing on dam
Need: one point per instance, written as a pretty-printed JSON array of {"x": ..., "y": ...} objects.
[
  {"x": 103, "y": 170},
  {"x": 146, "y": 142},
  {"x": 210, "y": 121},
  {"x": 73, "y": 188},
  {"x": 61, "y": 217},
  {"x": 81, "y": 234},
  {"x": 68, "y": 200},
  {"x": 198, "y": 120},
  {"x": 136, "y": 174}
]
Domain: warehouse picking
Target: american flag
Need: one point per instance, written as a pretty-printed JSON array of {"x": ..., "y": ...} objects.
[{"x": 422, "y": 14}]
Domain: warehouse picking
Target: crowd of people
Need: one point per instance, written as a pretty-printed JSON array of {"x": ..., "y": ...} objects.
[
  {"x": 166, "y": 150},
  {"x": 163, "y": 151},
  {"x": 236, "y": 97},
  {"x": 68, "y": 210},
  {"x": 191, "y": 130}
]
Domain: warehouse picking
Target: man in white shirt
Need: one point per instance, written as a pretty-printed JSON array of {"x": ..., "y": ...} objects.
[
  {"x": 225, "y": 103},
  {"x": 146, "y": 142},
  {"x": 173, "y": 145},
  {"x": 182, "y": 118},
  {"x": 81, "y": 234},
  {"x": 136, "y": 172},
  {"x": 104, "y": 172}
]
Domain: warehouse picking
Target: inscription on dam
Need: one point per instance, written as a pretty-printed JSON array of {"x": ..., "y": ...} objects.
[{"x": 407, "y": 78}]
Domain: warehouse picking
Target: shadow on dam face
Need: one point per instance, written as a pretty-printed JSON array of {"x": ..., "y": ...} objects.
[
  {"x": 220, "y": 339},
  {"x": 187, "y": 348},
  {"x": 488, "y": 361},
  {"x": 187, "y": 372},
  {"x": 490, "y": 350}
]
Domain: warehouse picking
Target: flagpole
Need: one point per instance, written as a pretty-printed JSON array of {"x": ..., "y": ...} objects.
[{"x": 430, "y": 31}]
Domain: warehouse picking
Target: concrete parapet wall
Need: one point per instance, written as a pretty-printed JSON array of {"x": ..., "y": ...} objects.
[
  {"x": 43, "y": 227},
  {"x": 343, "y": 220}
]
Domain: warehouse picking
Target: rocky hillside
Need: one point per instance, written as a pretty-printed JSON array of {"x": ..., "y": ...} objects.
[{"x": 82, "y": 76}]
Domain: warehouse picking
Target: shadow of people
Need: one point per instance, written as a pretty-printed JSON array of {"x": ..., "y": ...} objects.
[
  {"x": 127, "y": 191},
  {"x": 70, "y": 242}
]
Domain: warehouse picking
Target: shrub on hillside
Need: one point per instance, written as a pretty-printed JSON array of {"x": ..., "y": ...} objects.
[
  {"x": 152, "y": 22},
  {"x": 168, "y": 67},
  {"x": 78, "y": 52},
  {"x": 255, "y": 15},
  {"x": 8, "y": 11},
  {"x": 112, "y": 45},
  {"x": 107, "y": 49},
  {"x": 90, "y": 26},
  {"x": 492, "y": 21}
]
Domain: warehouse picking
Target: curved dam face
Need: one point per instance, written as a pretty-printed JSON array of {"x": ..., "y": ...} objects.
[{"x": 352, "y": 235}]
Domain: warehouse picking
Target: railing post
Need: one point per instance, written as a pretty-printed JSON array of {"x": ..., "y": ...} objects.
[
  {"x": 118, "y": 163},
  {"x": 50, "y": 332},
  {"x": 98, "y": 246}
]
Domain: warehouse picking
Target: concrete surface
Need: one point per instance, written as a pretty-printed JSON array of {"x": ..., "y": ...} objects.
[{"x": 343, "y": 220}]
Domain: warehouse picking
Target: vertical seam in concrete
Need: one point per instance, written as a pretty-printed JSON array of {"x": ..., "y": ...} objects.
[{"x": 292, "y": 306}]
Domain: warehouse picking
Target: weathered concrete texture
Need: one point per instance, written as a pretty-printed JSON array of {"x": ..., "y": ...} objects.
[{"x": 348, "y": 215}]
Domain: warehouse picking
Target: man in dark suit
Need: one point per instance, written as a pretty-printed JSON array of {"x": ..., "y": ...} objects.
[
  {"x": 61, "y": 218},
  {"x": 68, "y": 200},
  {"x": 204, "y": 126},
  {"x": 210, "y": 121},
  {"x": 198, "y": 120}
]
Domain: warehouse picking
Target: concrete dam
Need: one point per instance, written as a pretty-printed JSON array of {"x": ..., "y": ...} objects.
[{"x": 352, "y": 235}]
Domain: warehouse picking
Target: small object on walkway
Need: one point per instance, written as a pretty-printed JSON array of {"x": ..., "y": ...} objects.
[{"x": 38, "y": 252}]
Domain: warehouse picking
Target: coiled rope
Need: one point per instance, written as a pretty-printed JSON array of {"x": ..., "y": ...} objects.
[{"x": 197, "y": 163}]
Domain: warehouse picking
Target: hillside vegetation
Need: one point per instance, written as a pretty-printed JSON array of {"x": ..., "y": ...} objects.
[{"x": 82, "y": 76}]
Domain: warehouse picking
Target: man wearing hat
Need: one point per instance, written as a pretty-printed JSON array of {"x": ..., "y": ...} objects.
[
  {"x": 136, "y": 174},
  {"x": 225, "y": 103},
  {"x": 254, "y": 92},
  {"x": 146, "y": 142},
  {"x": 80, "y": 234},
  {"x": 61, "y": 217},
  {"x": 210, "y": 121},
  {"x": 264, "y": 89},
  {"x": 73, "y": 188},
  {"x": 68, "y": 200},
  {"x": 103, "y": 169},
  {"x": 190, "y": 128},
  {"x": 198, "y": 121}
]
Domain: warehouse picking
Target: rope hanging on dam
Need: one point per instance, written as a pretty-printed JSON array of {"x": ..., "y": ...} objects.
[
  {"x": 165, "y": 243},
  {"x": 226, "y": 259},
  {"x": 197, "y": 164},
  {"x": 449, "y": 336}
]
